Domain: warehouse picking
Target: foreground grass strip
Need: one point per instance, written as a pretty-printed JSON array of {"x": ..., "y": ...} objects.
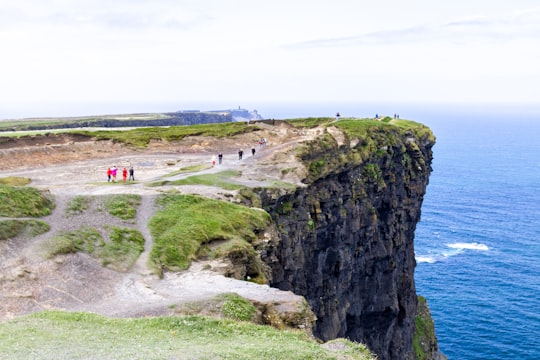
[
  {"x": 12, "y": 228},
  {"x": 60, "y": 335},
  {"x": 24, "y": 201},
  {"x": 186, "y": 222},
  {"x": 220, "y": 179}
]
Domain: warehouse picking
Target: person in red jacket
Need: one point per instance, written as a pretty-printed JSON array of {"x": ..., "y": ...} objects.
[
  {"x": 124, "y": 175},
  {"x": 109, "y": 174}
]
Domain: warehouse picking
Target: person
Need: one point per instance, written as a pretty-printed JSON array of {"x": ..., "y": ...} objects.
[
  {"x": 220, "y": 158},
  {"x": 124, "y": 175},
  {"x": 240, "y": 153},
  {"x": 114, "y": 170},
  {"x": 131, "y": 174},
  {"x": 252, "y": 151},
  {"x": 109, "y": 174},
  {"x": 213, "y": 160}
]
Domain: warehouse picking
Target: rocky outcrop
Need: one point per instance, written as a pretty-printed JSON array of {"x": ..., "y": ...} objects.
[{"x": 346, "y": 239}]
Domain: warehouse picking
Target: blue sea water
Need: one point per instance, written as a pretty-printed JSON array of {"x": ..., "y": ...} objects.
[{"x": 478, "y": 243}]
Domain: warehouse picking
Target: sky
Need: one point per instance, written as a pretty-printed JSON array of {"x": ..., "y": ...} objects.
[{"x": 67, "y": 57}]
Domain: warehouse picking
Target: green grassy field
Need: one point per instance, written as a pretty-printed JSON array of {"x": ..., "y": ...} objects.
[{"x": 61, "y": 335}]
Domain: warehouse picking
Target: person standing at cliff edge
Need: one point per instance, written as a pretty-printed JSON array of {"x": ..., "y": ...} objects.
[{"x": 131, "y": 174}]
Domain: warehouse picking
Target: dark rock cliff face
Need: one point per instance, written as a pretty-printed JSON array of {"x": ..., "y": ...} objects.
[{"x": 346, "y": 239}]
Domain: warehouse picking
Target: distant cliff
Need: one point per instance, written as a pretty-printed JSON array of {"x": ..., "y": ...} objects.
[
  {"x": 346, "y": 240},
  {"x": 189, "y": 117}
]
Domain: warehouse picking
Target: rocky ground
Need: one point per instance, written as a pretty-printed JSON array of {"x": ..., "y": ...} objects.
[{"x": 69, "y": 166}]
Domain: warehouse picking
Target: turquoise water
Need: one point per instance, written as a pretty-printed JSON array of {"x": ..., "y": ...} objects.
[{"x": 478, "y": 243}]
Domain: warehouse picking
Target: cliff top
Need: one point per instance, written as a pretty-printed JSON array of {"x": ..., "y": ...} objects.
[{"x": 73, "y": 165}]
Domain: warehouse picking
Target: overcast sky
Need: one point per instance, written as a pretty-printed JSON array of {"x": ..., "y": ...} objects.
[{"x": 62, "y": 52}]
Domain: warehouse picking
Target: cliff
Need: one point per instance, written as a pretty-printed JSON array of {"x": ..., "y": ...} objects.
[{"x": 346, "y": 239}]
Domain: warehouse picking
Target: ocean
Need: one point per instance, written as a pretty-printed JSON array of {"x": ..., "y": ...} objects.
[{"x": 478, "y": 243}]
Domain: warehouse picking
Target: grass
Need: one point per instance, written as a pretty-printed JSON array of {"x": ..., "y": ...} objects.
[
  {"x": 310, "y": 122},
  {"x": 123, "y": 206},
  {"x": 61, "y": 335},
  {"x": 14, "y": 181},
  {"x": 78, "y": 205},
  {"x": 141, "y": 137},
  {"x": 18, "y": 201},
  {"x": 191, "y": 168},
  {"x": 220, "y": 179},
  {"x": 12, "y": 228},
  {"x": 186, "y": 222},
  {"x": 119, "y": 253}
]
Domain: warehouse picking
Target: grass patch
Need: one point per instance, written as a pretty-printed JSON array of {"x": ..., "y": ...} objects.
[
  {"x": 220, "y": 179},
  {"x": 310, "y": 122},
  {"x": 24, "y": 201},
  {"x": 187, "y": 222},
  {"x": 12, "y": 228},
  {"x": 62, "y": 335},
  {"x": 123, "y": 206},
  {"x": 123, "y": 249},
  {"x": 14, "y": 181},
  {"x": 140, "y": 137},
  {"x": 78, "y": 205},
  {"x": 119, "y": 253},
  {"x": 236, "y": 307},
  {"x": 191, "y": 168}
]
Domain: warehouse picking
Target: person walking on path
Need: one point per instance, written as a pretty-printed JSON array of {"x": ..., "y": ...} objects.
[
  {"x": 114, "y": 170},
  {"x": 220, "y": 158},
  {"x": 124, "y": 175},
  {"x": 240, "y": 153},
  {"x": 109, "y": 172},
  {"x": 252, "y": 151},
  {"x": 131, "y": 174}
]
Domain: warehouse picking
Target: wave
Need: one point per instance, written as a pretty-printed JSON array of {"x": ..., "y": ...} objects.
[
  {"x": 434, "y": 256},
  {"x": 469, "y": 246},
  {"x": 425, "y": 259}
]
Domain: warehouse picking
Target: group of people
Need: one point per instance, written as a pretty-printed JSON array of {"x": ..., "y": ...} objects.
[{"x": 112, "y": 172}]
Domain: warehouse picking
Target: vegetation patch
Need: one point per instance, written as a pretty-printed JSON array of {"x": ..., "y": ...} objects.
[
  {"x": 188, "y": 169},
  {"x": 310, "y": 122},
  {"x": 424, "y": 340},
  {"x": 118, "y": 253},
  {"x": 141, "y": 137},
  {"x": 123, "y": 206},
  {"x": 78, "y": 205},
  {"x": 122, "y": 250},
  {"x": 220, "y": 179},
  {"x": 24, "y": 201},
  {"x": 14, "y": 181},
  {"x": 71, "y": 335},
  {"x": 12, "y": 228},
  {"x": 185, "y": 223}
]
